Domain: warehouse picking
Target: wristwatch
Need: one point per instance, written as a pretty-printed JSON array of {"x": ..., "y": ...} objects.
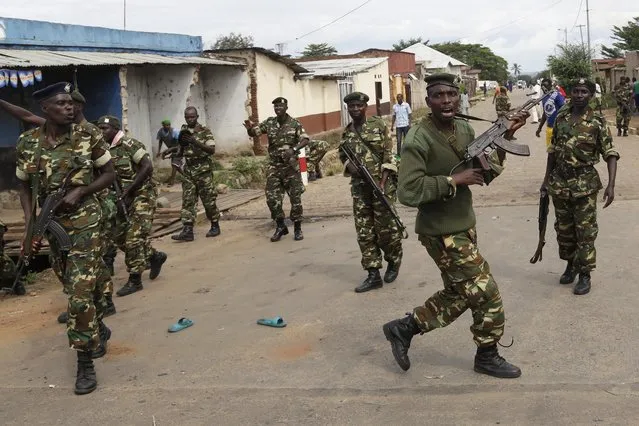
[{"x": 452, "y": 188}]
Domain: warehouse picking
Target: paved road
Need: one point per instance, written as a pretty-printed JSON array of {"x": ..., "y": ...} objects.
[{"x": 332, "y": 365}]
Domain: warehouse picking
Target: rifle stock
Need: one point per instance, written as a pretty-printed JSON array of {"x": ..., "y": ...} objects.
[{"x": 121, "y": 205}]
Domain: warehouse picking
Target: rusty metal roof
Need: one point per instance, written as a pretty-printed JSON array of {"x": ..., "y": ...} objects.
[
  {"x": 342, "y": 67},
  {"x": 10, "y": 58}
]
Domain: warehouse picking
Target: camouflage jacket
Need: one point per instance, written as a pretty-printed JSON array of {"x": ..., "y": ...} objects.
[
  {"x": 280, "y": 138},
  {"x": 502, "y": 104},
  {"x": 623, "y": 95},
  {"x": 127, "y": 154},
  {"x": 577, "y": 148},
  {"x": 375, "y": 152},
  {"x": 197, "y": 161}
]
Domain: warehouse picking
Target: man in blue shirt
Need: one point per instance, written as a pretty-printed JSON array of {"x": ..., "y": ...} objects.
[
  {"x": 551, "y": 107},
  {"x": 168, "y": 136}
]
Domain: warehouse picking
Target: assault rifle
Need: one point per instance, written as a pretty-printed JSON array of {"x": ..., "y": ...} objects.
[
  {"x": 119, "y": 202},
  {"x": 493, "y": 138},
  {"x": 44, "y": 223},
  {"x": 544, "y": 204},
  {"x": 377, "y": 191}
]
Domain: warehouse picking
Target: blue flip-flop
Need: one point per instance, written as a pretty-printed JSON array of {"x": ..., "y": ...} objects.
[
  {"x": 272, "y": 322},
  {"x": 181, "y": 324}
]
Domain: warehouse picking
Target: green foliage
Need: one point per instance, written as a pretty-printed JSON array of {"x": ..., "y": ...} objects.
[
  {"x": 572, "y": 62},
  {"x": 493, "y": 67},
  {"x": 233, "y": 41},
  {"x": 250, "y": 167},
  {"x": 320, "y": 49},
  {"x": 627, "y": 38},
  {"x": 403, "y": 44},
  {"x": 527, "y": 78},
  {"x": 542, "y": 74},
  {"x": 516, "y": 68}
]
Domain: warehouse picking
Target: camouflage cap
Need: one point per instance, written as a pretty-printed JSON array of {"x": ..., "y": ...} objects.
[
  {"x": 279, "y": 100},
  {"x": 166, "y": 122},
  {"x": 62, "y": 87},
  {"x": 77, "y": 96},
  {"x": 440, "y": 78},
  {"x": 110, "y": 120},
  {"x": 586, "y": 82},
  {"x": 356, "y": 97}
]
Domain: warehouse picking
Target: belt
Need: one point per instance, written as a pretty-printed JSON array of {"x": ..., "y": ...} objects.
[{"x": 569, "y": 172}]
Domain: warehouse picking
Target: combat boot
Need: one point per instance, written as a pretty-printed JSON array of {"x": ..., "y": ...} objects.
[
  {"x": 392, "y": 271},
  {"x": 109, "y": 261},
  {"x": 399, "y": 333},
  {"x": 110, "y": 307},
  {"x": 299, "y": 236},
  {"x": 583, "y": 285},
  {"x": 156, "y": 262},
  {"x": 215, "y": 229},
  {"x": 105, "y": 334},
  {"x": 134, "y": 284},
  {"x": 373, "y": 281},
  {"x": 186, "y": 234},
  {"x": 85, "y": 381},
  {"x": 625, "y": 132},
  {"x": 488, "y": 361},
  {"x": 312, "y": 177},
  {"x": 569, "y": 275},
  {"x": 63, "y": 317},
  {"x": 280, "y": 231},
  {"x": 618, "y": 131}
]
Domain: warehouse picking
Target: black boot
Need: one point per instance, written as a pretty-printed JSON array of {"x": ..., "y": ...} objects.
[
  {"x": 391, "y": 272},
  {"x": 215, "y": 229},
  {"x": 280, "y": 231},
  {"x": 105, "y": 335},
  {"x": 399, "y": 333},
  {"x": 569, "y": 275},
  {"x": 488, "y": 361},
  {"x": 625, "y": 132},
  {"x": 63, "y": 317},
  {"x": 85, "y": 381},
  {"x": 186, "y": 234},
  {"x": 298, "y": 231},
  {"x": 109, "y": 261},
  {"x": 110, "y": 307},
  {"x": 618, "y": 131},
  {"x": 156, "y": 262},
  {"x": 312, "y": 177},
  {"x": 134, "y": 284},
  {"x": 583, "y": 285},
  {"x": 373, "y": 281}
]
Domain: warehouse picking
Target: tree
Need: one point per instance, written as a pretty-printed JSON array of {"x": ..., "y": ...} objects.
[
  {"x": 493, "y": 67},
  {"x": 403, "y": 44},
  {"x": 516, "y": 69},
  {"x": 320, "y": 49},
  {"x": 527, "y": 78},
  {"x": 233, "y": 41},
  {"x": 571, "y": 63},
  {"x": 627, "y": 39}
]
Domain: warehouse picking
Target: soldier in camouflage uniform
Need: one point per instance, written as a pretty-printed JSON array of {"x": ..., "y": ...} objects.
[
  {"x": 316, "y": 151},
  {"x": 623, "y": 96},
  {"x": 197, "y": 147},
  {"x": 580, "y": 137},
  {"x": 502, "y": 103},
  {"x": 376, "y": 229},
  {"x": 139, "y": 192},
  {"x": 446, "y": 227},
  {"x": 286, "y": 137},
  {"x": 44, "y": 157},
  {"x": 7, "y": 266}
]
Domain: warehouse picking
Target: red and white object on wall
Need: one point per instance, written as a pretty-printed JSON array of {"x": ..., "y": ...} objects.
[{"x": 303, "y": 167}]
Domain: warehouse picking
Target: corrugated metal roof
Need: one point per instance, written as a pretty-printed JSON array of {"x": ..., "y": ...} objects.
[
  {"x": 10, "y": 58},
  {"x": 342, "y": 67},
  {"x": 432, "y": 58}
]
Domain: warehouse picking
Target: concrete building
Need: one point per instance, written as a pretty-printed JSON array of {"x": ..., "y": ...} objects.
[
  {"x": 609, "y": 71},
  {"x": 139, "y": 77}
]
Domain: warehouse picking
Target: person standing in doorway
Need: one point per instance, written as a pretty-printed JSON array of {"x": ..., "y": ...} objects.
[
  {"x": 402, "y": 115},
  {"x": 168, "y": 136}
]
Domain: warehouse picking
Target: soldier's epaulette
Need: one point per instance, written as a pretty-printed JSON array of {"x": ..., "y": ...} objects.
[{"x": 89, "y": 130}]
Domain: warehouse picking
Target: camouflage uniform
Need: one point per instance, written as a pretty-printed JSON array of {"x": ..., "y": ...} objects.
[
  {"x": 281, "y": 176},
  {"x": 197, "y": 179},
  {"x": 623, "y": 96},
  {"x": 86, "y": 298},
  {"x": 574, "y": 183},
  {"x": 7, "y": 267},
  {"x": 376, "y": 229},
  {"x": 502, "y": 105},
  {"x": 316, "y": 151}
]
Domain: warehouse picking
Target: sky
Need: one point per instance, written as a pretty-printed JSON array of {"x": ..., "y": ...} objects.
[{"x": 524, "y": 33}]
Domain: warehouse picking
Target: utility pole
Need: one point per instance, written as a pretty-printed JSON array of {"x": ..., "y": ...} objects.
[
  {"x": 581, "y": 33},
  {"x": 588, "y": 27},
  {"x": 125, "y": 14}
]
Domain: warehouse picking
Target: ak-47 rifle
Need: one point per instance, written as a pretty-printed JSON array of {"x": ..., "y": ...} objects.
[
  {"x": 44, "y": 223},
  {"x": 493, "y": 138},
  {"x": 377, "y": 191},
  {"x": 119, "y": 202},
  {"x": 544, "y": 204}
]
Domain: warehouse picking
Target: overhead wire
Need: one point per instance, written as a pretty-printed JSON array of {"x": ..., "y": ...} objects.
[{"x": 581, "y": 3}]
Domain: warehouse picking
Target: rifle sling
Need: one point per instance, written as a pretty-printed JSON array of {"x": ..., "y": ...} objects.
[{"x": 366, "y": 145}]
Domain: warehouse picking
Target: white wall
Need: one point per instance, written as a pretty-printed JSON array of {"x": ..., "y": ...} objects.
[
  {"x": 365, "y": 82},
  {"x": 136, "y": 110}
]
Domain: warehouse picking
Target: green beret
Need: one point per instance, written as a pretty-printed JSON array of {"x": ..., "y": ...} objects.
[
  {"x": 77, "y": 96},
  {"x": 589, "y": 84},
  {"x": 110, "y": 120},
  {"x": 50, "y": 91},
  {"x": 166, "y": 122},
  {"x": 356, "y": 97},
  {"x": 441, "y": 78},
  {"x": 279, "y": 100}
]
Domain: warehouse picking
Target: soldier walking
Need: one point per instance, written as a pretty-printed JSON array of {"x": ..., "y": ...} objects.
[
  {"x": 376, "y": 229},
  {"x": 316, "y": 151},
  {"x": 502, "y": 103},
  {"x": 580, "y": 137},
  {"x": 446, "y": 227},
  {"x": 623, "y": 96},
  {"x": 286, "y": 137}
]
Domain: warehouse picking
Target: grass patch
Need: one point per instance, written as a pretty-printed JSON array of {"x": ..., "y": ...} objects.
[{"x": 331, "y": 164}]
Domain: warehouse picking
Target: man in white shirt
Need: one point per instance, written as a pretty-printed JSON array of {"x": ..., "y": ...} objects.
[
  {"x": 598, "y": 95},
  {"x": 401, "y": 120},
  {"x": 536, "y": 94}
]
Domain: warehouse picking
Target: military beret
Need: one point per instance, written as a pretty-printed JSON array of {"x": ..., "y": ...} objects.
[
  {"x": 589, "y": 84},
  {"x": 110, "y": 120},
  {"x": 279, "y": 100},
  {"x": 55, "y": 89},
  {"x": 166, "y": 122},
  {"x": 356, "y": 97},
  {"x": 441, "y": 78},
  {"x": 77, "y": 96}
]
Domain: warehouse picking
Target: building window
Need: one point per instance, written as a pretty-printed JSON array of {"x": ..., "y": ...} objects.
[{"x": 378, "y": 90}]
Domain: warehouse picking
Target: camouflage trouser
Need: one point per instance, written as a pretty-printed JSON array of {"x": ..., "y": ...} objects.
[
  {"x": 280, "y": 178},
  {"x": 106, "y": 238},
  {"x": 376, "y": 230},
  {"x": 576, "y": 226},
  {"x": 81, "y": 266},
  {"x": 7, "y": 266},
  {"x": 133, "y": 237},
  {"x": 316, "y": 150},
  {"x": 202, "y": 186},
  {"x": 623, "y": 118},
  {"x": 468, "y": 284}
]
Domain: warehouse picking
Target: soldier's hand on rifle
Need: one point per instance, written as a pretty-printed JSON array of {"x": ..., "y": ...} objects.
[
  {"x": 609, "y": 196},
  {"x": 248, "y": 124},
  {"x": 72, "y": 199},
  {"x": 36, "y": 245},
  {"x": 469, "y": 177},
  {"x": 127, "y": 197},
  {"x": 518, "y": 120}
]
